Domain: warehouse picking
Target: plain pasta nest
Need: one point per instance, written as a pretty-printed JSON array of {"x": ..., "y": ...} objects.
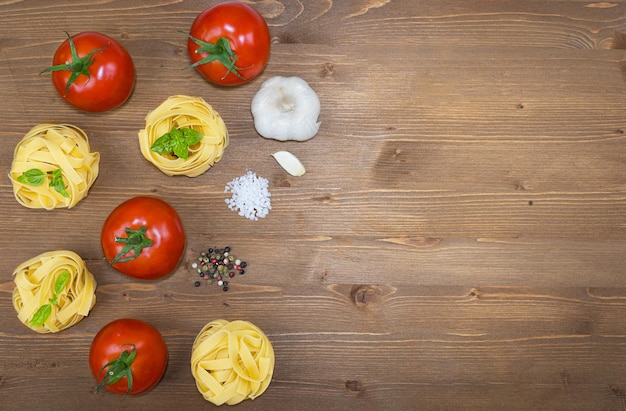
[
  {"x": 47, "y": 148},
  {"x": 185, "y": 112},
  {"x": 35, "y": 286},
  {"x": 231, "y": 361}
]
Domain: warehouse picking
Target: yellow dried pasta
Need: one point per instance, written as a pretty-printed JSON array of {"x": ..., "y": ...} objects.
[
  {"x": 231, "y": 361},
  {"x": 49, "y": 147},
  {"x": 185, "y": 112},
  {"x": 35, "y": 285}
]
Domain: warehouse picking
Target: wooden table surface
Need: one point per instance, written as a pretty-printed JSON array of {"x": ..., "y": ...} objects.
[{"x": 458, "y": 240}]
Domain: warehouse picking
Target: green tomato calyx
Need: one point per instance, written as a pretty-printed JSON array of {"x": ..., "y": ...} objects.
[
  {"x": 134, "y": 241},
  {"x": 219, "y": 51},
  {"x": 118, "y": 369},
  {"x": 78, "y": 65}
]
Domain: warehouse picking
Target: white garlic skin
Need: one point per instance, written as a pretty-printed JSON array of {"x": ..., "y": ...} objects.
[{"x": 286, "y": 108}]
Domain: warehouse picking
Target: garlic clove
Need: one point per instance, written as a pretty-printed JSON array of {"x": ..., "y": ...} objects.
[
  {"x": 286, "y": 108},
  {"x": 289, "y": 163}
]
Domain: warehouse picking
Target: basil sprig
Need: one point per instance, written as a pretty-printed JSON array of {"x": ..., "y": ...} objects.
[
  {"x": 45, "y": 310},
  {"x": 177, "y": 141},
  {"x": 35, "y": 177}
]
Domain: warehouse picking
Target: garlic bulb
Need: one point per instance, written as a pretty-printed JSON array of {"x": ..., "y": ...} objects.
[{"x": 286, "y": 108}]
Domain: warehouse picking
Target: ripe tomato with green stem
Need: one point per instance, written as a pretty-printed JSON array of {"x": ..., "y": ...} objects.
[
  {"x": 229, "y": 43},
  {"x": 92, "y": 72},
  {"x": 143, "y": 238},
  {"x": 128, "y": 356}
]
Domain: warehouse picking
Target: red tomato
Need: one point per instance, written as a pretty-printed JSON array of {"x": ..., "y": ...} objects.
[
  {"x": 92, "y": 72},
  {"x": 128, "y": 347},
  {"x": 143, "y": 238},
  {"x": 229, "y": 43}
]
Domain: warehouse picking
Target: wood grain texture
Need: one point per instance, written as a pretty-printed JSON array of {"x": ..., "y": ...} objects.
[{"x": 458, "y": 241}]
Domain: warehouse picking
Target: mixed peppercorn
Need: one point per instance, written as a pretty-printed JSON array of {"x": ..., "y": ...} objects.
[{"x": 217, "y": 265}]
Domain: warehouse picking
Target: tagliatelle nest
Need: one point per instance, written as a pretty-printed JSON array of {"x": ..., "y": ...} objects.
[
  {"x": 49, "y": 148},
  {"x": 231, "y": 361},
  {"x": 35, "y": 283},
  {"x": 185, "y": 112}
]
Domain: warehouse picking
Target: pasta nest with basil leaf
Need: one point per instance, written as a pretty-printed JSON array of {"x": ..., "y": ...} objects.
[
  {"x": 183, "y": 136},
  {"x": 53, "y": 167},
  {"x": 231, "y": 361},
  {"x": 53, "y": 291}
]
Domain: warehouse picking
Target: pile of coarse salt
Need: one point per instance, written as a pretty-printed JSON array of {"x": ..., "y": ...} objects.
[{"x": 250, "y": 195}]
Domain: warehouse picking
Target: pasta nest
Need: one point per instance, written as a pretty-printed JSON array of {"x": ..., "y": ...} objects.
[
  {"x": 49, "y": 147},
  {"x": 35, "y": 286},
  {"x": 185, "y": 112},
  {"x": 231, "y": 361}
]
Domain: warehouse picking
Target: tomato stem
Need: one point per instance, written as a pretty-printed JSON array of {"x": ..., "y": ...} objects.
[
  {"x": 219, "y": 51},
  {"x": 118, "y": 369},
  {"x": 78, "y": 65},
  {"x": 135, "y": 241}
]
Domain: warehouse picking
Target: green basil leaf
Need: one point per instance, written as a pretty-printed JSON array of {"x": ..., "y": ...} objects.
[
  {"x": 181, "y": 149},
  {"x": 163, "y": 144},
  {"x": 61, "y": 281},
  {"x": 177, "y": 141},
  {"x": 35, "y": 177},
  {"x": 41, "y": 315},
  {"x": 175, "y": 133},
  {"x": 58, "y": 184},
  {"x": 191, "y": 136}
]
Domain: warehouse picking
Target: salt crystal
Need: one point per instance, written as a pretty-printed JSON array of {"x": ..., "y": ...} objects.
[{"x": 250, "y": 196}]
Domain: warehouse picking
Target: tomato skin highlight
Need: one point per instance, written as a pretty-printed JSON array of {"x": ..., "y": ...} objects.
[
  {"x": 150, "y": 361},
  {"x": 112, "y": 73},
  {"x": 247, "y": 33},
  {"x": 163, "y": 227}
]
